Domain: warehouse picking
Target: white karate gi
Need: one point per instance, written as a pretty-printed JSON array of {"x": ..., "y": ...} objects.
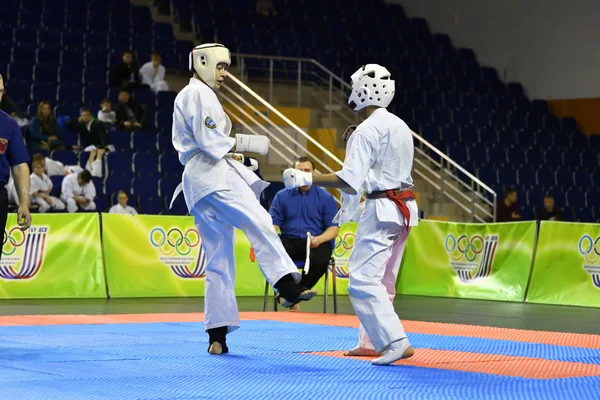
[
  {"x": 118, "y": 209},
  {"x": 222, "y": 194},
  {"x": 44, "y": 183},
  {"x": 157, "y": 83},
  {"x": 71, "y": 187},
  {"x": 379, "y": 157}
]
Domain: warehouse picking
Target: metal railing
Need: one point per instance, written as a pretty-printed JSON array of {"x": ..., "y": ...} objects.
[
  {"x": 447, "y": 180},
  {"x": 313, "y": 82}
]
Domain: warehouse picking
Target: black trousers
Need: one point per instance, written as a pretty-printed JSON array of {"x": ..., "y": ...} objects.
[
  {"x": 3, "y": 213},
  {"x": 319, "y": 259}
]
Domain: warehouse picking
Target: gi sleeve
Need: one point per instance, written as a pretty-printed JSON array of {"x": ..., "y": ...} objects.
[
  {"x": 361, "y": 154},
  {"x": 329, "y": 210},
  {"x": 67, "y": 188},
  {"x": 89, "y": 191},
  {"x": 133, "y": 211},
  {"x": 209, "y": 137},
  {"x": 276, "y": 210},
  {"x": 34, "y": 185}
]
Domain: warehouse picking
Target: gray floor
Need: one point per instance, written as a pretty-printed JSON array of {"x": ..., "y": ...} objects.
[{"x": 433, "y": 309}]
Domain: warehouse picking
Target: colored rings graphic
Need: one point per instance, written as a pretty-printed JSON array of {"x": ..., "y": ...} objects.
[
  {"x": 343, "y": 244},
  {"x": 590, "y": 248},
  {"x": 464, "y": 247},
  {"x": 174, "y": 241},
  {"x": 15, "y": 237}
]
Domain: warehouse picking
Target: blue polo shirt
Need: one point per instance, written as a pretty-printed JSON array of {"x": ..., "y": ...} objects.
[
  {"x": 297, "y": 213},
  {"x": 12, "y": 146}
]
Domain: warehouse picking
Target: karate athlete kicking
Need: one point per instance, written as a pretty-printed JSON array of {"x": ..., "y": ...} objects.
[
  {"x": 378, "y": 160},
  {"x": 222, "y": 194}
]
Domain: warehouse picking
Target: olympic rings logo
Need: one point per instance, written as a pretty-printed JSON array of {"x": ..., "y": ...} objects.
[
  {"x": 15, "y": 237},
  {"x": 343, "y": 244},
  {"x": 174, "y": 241},
  {"x": 463, "y": 247},
  {"x": 590, "y": 249}
]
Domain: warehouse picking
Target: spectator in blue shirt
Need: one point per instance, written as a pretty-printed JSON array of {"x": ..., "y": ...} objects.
[
  {"x": 306, "y": 209},
  {"x": 13, "y": 157}
]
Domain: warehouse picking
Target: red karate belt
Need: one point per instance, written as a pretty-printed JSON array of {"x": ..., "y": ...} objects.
[{"x": 399, "y": 197}]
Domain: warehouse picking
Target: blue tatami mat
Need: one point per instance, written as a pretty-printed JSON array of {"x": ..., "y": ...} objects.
[{"x": 159, "y": 361}]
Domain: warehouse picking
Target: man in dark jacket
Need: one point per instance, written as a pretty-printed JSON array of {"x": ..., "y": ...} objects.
[
  {"x": 126, "y": 73},
  {"x": 130, "y": 115}
]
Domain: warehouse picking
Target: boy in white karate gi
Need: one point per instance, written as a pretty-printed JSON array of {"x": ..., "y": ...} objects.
[
  {"x": 378, "y": 160},
  {"x": 222, "y": 194},
  {"x": 40, "y": 189}
]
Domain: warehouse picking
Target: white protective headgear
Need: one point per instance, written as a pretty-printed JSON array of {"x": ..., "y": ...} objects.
[
  {"x": 203, "y": 60},
  {"x": 371, "y": 86}
]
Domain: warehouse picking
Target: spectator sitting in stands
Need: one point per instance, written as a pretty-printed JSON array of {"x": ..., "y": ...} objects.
[
  {"x": 107, "y": 114},
  {"x": 95, "y": 139},
  {"x": 44, "y": 131},
  {"x": 549, "y": 212},
  {"x": 508, "y": 209},
  {"x": 130, "y": 114},
  {"x": 78, "y": 191},
  {"x": 41, "y": 186},
  {"x": 122, "y": 207},
  {"x": 153, "y": 74},
  {"x": 126, "y": 73}
]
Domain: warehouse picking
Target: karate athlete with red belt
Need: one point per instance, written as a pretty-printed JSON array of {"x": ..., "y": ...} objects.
[{"x": 379, "y": 159}]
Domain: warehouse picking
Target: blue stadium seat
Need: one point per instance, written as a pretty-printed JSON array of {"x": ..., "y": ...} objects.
[
  {"x": 526, "y": 177},
  {"x": 95, "y": 75},
  {"x": 66, "y": 110},
  {"x": 579, "y": 140},
  {"x": 575, "y": 197},
  {"x": 145, "y": 187},
  {"x": 101, "y": 203},
  {"x": 56, "y": 185},
  {"x": 31, "y": 19},
  {"x": 145, "y": 164},
  {"x": 71, "y": 58},
  {"x": 114, "y": 183},
  {"x": 590, "y": 158},
  {"x": 572, "y": 158},
  {"x": 165, "y": 143},
  {"x": 152, "y": 205},
  {"x": 119, "y": 163},
  {"x": 269, "y": 193},
  {"x": 516, "y": 155},
  {"x": 564, "y": 177},
  {"x": 20, "y": 72},
  {"x": 487, "y": 175},
  {"x": 93, "y": 95},
  {"x": 70, "y": 40},
  {"x": 64, "y": 156},
  {"x": 23, "y": 55},
  {"x": 582, "y": 178},
  {"x": 75, "y": 23},
  {"x": 535, "y": 157},
  {"x": 568, "y": 124},
  {"x": 553, "y": 157},
  {"x": 43, "y": 92},
  {"x": 540, "y": 107},
  {"x": 98, "y": 25},
  {"x": 170, "y": 165},
  {"x": 69, "y": 75},
  {"x": 163, "y": 118},
  {"x": 69, "y": 94},
  {"x": 507, "y": 176},
  {"x": 592, "y": 198},
  {"x": 121, "y": 140},
  {"x": 166, "y": 187},
  {"x": 545, "y": 177},
  {"x": 165, "y": 100},
  {"x": 461, "y": 117},
  {"x": 94, "y": 59},
  {"x": 6, "y": 34},
  {"x": 54, "y": 21},
  {"x": 477, "y": 156},
  {"x": 44, "y": 74},
  {"x": 49, "y": 57},
  {"x": 430, "y": 132},
  {"x": 144, "y": 96},
  {"x": 144, "y": 142}
]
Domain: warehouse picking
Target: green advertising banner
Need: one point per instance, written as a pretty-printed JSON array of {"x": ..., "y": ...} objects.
[
  {"x": 159, "y": 256},
  {"x": 60, "y": 256},
  {"x": 567, "y": 265},
  {"x": 476, "y": 261}
]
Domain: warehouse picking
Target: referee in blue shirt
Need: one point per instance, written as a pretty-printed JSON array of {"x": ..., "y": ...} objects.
[
  {"x": 306, "y": 209},
  {"x": 13, "y": 156}
]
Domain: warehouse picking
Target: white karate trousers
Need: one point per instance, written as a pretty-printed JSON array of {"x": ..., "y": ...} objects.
[
  {"x": 216, "y": 216},
  {"x": 373, "y": 268}
]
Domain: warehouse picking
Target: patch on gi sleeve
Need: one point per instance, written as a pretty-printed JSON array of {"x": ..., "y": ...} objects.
[{"x": 210, "y": 123}]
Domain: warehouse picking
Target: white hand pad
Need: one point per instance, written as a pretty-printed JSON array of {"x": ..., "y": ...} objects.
[
  {"x": 293, "y": 178},
  {"x": 252, "y": 143}
]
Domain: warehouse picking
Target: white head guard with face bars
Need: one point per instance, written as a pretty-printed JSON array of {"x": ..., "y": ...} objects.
[
  {"x": 203, "y": 60},
  {"x": 371, "y": 86}
]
